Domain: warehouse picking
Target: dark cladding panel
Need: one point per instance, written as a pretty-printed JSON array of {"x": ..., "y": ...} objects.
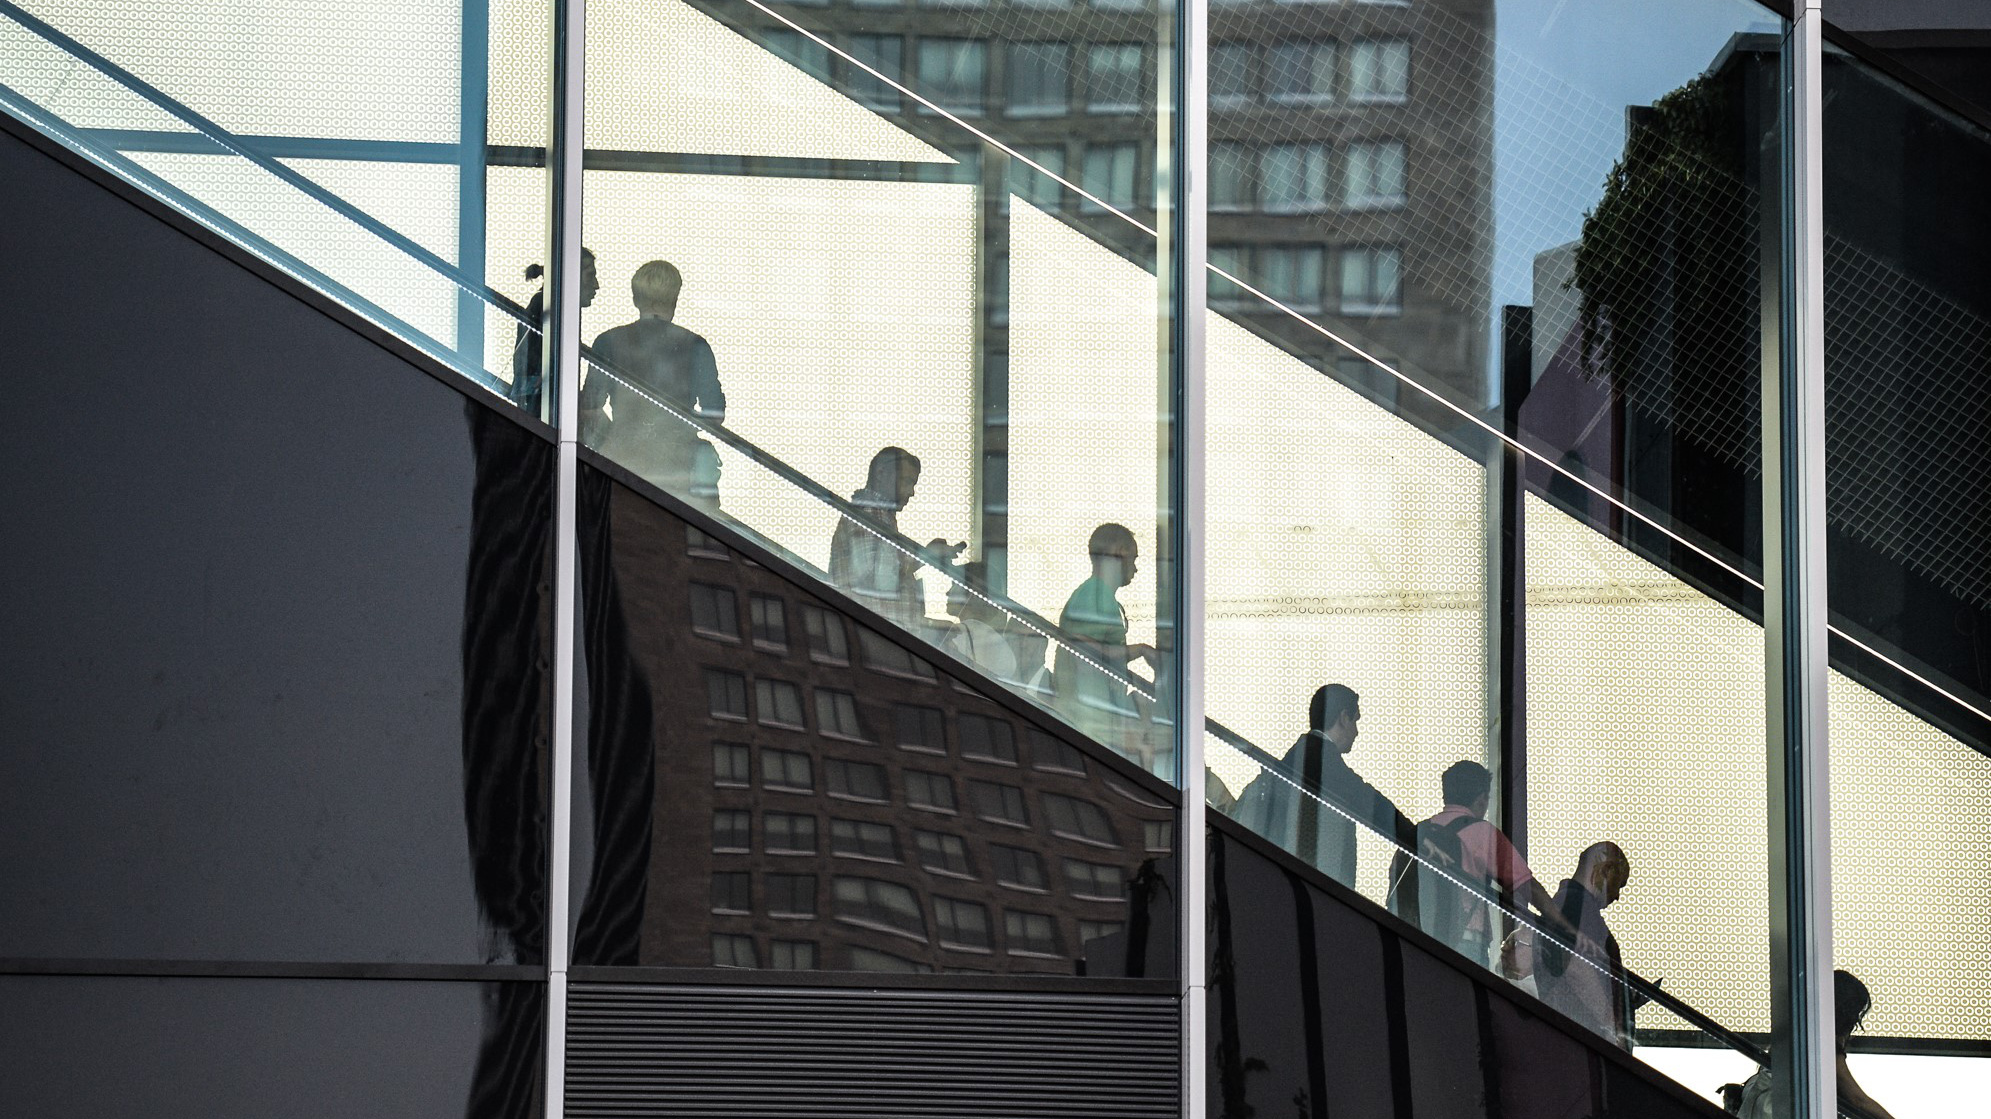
[
  {"x": 688, "y": 1051},
  {"x": 274, "y": 669},
  {"x": 941, "y": 829},
  {"x": 1322, "y": 1005},
  {"x": 108, "y": 1048}
]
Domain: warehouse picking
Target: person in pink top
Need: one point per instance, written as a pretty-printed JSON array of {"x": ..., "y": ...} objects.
[{"x": 1479, "y": 865}]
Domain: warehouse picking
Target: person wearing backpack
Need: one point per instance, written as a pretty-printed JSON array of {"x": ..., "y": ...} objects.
[{"x": 1464, "y": 865}]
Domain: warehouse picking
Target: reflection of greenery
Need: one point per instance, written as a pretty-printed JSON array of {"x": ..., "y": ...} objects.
[{"x": 1667, "y": 268}]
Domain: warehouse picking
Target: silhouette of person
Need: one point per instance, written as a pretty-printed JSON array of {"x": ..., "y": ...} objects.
[
  {"x": 1091, "y": 668},
  {"x": 865, "y": 559},
  {"x": 650, "y": 367},
  {"x": 1474, "y": 862},
  {"x": 1323, "y": 835},
  {"x": 980, "y": 635},
  {"x": 1850, "y": 1002},
  {"x": 528, "y": 389},
  {"x": 1590, "y": 990},
  {"x": 705, "y": 471}
]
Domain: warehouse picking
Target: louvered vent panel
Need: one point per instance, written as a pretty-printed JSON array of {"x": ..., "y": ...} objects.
[{"x": 636, "y": 1050}]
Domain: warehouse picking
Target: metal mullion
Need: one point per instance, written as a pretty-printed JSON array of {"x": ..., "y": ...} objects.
[
  {"x": 1189, "y": 134},
  {"x": 1794, "y": 611},
  {"x": 561, "y": 359}
]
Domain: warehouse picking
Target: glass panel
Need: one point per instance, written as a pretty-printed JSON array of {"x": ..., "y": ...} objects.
[
  {"x": 1907, "y": 331},
  {"x": 878, "y": 381},
  {"x": 242, "y": 1048},
  {"x": 919, "y": 843},
  {"x": 348, "y": 146},
  {"x": 316, "y": 645},
  {"x": 1481, "y": 500}
]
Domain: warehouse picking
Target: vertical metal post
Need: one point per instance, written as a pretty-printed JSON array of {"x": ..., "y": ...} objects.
[
  {"x": 473, "y": 120},
  {"x": 562, "y": 362},
  {"x": 1794, "y": 618},
  {"x": 1187, "y": 134},
  {"x": 991, "y": 493},
  {"x": 1507, "y": 589}
]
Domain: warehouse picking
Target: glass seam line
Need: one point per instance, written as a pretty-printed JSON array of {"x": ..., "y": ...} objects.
[
  {"x": 228, "y": 142},
  {"x": 1643, "y": 518}
]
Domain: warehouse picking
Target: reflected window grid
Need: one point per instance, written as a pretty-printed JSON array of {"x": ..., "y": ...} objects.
[
  {"x": 791, "y": 895},
  {"x": 732, "y": 892},
  {"x": 1113, "y": 77},
  {"x": 787, "y": 771},
  {"x": 1038, "y": 79},
  {"x": 921, "y": 729},
  {"x": 1301, "y": 74},
  {"x": 1375, "y": 175},
  {"x": 779, "y": 704},
  {"x": 837, "y": 716},
  {"x": 962, "y": 925},
  {"x": 1233, "y": 175},
  {"x": 1031, "y": 934},
  {"x": 952, "y": 73},
  {"x": 726, "y": 694},
  {"x": 1292, "y": 274},
  {"x": 1019, "y": 869},
  {"x": 933, "y": 792},
  {"x": 792, "y": 955},
  {"x": 770, "y": 622},
  {"x": 860, "y": 781},
  {"x": 863, "y": 839},
  {"x": 788, "y": 833},
  {"x": 1293, "y": 178},
  {"x": 877, "y": 904},
  {"x": 1081, "y": 820},
  {"x": 1110, "y": 174},
  {"x": 715, "y": 612},
  {"x": 732, "y": 765},
  {"x": 732, "y": 830},
  {"x": 1093, "y": 881},
  {"x": 1233, "y": 74},
  {"x": 733, "y": 950},
  {"x": 940, "y": 853},
  {"x": 1379, "y": 71},
  {"x": 828, "y": 643},
  {"x": 1035, "y": 187},
  {"x": 1371, "y": 281},
  {"x": 885, "y": 54},
  {"x": 986, "y": 739}
]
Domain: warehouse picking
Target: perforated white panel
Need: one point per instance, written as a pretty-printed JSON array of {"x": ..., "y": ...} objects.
[
  {"x": 1645, "y": 726},
  {"x": 366, "y": 70}
]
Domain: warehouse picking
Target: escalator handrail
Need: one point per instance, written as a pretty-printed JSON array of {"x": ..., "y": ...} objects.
[{"x": 234, "y": 145}]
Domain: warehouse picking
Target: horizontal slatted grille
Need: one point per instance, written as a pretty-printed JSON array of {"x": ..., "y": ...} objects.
[{"x": 686, "y": 1051}]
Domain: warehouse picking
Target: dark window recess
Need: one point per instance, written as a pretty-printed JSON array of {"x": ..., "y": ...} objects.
[
  {"x": 787, "y": 769},
  {"x": 729, "y": 950},
  {"x": 732, "y": 892},
  {"x": 1002, "y": 804},
  {"x": 732, "y": 830},
  {"x": 885, "y": 656},
  {"x": 943, "y": 854},
  {"x": 861, "y": 839},
  {"x": 870, "y": 959},
  {"x": 932, "y": 791},
  {"x": 1158, "y": 835},
  {"x": 961, "y": 924},
  {"x": 791, "y": 955},
  {"x": 1053, "y": 754},
  {"x": 770, "y": 621},
  {"x": 715, "y": 612},
  {"x": 732, "y": 764},
  {"x": 1031, "y": 934},
  {"x": 726, "y": 692},
  {"x": 700, "y": 543},
  {"x": 1089, "y": 931},
  {"x": 856, "y": 780},
  {"x": 1019, "y": 868},
  {"x": 780, "y": 704},
  {"x": 920, "y": 728},
  {"x": 987, "y": 739},
  {"x": 827, "y": 640},
  {"x": 836, "y": 715},
  {"x": 788, "y": 833},
  {"x": 1078, "y": 819},
  {"x": 791, "y": 895},
  {"x": 1094, "y": 880},
  {"x": 879, "y": 904}
]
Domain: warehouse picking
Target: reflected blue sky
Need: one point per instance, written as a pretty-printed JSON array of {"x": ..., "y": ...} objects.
[{"x": 1565, "y": 70}]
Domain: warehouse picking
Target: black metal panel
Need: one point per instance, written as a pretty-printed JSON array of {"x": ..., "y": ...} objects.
[
  {"x": 775, "y": 778},
  {"x": 152, "y": 1048},
  {"x": 275, "y": 636},
  {"x": 690, "y": 1051},
  {"x": 1322, "y": 1004}
]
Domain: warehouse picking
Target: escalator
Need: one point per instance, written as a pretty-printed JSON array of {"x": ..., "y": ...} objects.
[{"x": 1430, "y": 1016}]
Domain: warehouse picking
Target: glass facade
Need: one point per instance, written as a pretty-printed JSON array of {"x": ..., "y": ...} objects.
[{"x": 886, "y": 523}]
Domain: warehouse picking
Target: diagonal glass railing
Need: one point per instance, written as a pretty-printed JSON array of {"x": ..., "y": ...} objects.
[{"x": 94, "y": 107}]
